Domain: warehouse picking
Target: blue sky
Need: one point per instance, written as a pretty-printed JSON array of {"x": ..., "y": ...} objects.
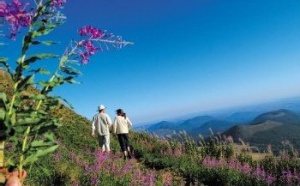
[{"x": 188, "y": 56}]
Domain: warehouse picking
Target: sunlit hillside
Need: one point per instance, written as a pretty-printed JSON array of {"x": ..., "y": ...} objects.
[{"x": 157, "y": 161}]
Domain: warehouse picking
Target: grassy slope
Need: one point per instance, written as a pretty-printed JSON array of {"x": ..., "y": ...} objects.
[
  {"x": 163, "y": 157},
  {"x": 75, "y": 137}
]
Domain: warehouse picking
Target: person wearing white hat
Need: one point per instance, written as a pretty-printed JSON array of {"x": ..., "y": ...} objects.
[{"x": 102, "y": 123}]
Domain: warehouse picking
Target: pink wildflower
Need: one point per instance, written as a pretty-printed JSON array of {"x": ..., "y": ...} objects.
[
  {"x": 91, "y": 32},
  {"x": 58, "y": 3},
  {"x": 15, "y": 15},
  {"x": 270, "y": 179},
  {"x": 3, "y": 9}
]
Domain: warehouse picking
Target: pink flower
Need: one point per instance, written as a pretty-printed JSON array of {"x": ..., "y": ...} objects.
[
  {"x": 93, "y": 37},
  {"x": 90, "y": 48},
  {"x": 15, "y": 15},
  {"x": 270, "y": 179},
  {"x": 84, "y": 58},
  {"x": 3, "y": 9},
  {"x": 96, "y": 33},
  {"x": 91, "y": 32},
  {"x": 83, "y": 31},
  {"x": 57, "y": 156},
  {"x": 58, "y": 3}
]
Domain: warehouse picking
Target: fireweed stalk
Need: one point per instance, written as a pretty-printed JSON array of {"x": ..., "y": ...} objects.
[
  {"x": 91, "y": 42},
  {"x": 27, "y": 123},
  {"x": 17, "y": 17}
]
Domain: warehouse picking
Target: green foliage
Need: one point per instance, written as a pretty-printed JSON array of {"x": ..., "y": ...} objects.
[
  {"x": 245, "y": 157},
  {"x": 25, "y": 120}
]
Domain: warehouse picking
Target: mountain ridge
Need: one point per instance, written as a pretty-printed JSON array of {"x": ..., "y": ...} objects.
[{"x": 269, "y": 128}]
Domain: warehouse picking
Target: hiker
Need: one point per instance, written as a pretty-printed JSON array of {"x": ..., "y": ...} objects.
[
  {"x": 102, "y": 123},
  {"x": 121, "y": 127}
]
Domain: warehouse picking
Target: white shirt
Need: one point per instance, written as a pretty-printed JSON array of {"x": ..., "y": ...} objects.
[
  {"x": 102, "y": 123},
  {"x": 121, "y": 125}
]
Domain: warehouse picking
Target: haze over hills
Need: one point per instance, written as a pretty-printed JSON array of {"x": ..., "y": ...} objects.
[
  {"x": 254, "y": 126},
  {"x": 232, "y": 116}
]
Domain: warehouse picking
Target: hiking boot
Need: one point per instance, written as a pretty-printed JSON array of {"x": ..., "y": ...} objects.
[{"x": 129, "y": 156}]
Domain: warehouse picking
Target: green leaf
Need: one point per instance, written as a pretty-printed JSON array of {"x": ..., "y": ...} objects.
[
  {"x": 3, "y": 61},
  {"x": 70, "y": 70},
  {"x": 24, "y": 83},
  {"x": 47, "y": 43},
  {"x": 39, "y": 97},
  {"x": 41, "y": 71},
  {"x": 49, "y": 136},
  {"x": 36, "y": 57},
  {"x": 3, "y": 100},
  {"x": 65, "y": 101},
  {"x": 13, "y": 118},
  {"x": 41, "y": 143},
  {"x": 28, "y": 121},
  {"x": 2, "y": 115},
  {"x": 20, "y": 129},
  {"x": 27, "y": 42},
  {"x": 70, "y": 79},
  {"x": 44, "y": 30},
  {"x": 46, "y": 171},
  {"x": 42, "y": 152}
]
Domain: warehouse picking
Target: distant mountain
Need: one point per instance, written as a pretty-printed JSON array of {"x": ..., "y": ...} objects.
[
  {"x": 164, "y": 128},
  {"x": 215, "y": 125},
  {"x": 245, "y": 132},
  {"x": 242, "y": 117},
  {"x": 163, "y": 125},
  {"x": 275, "y": 116},
  {"x": 269, "y": 128},
  {"x": 194, "y": 126},
  {"x": 195, "y": 122},
  {"x": 283, "y": 116}
]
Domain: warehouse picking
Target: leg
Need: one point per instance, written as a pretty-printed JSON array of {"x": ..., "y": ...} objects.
[
  {"x": 101, "y": 142},
  {"x": 107, "y": 143},
  {"x": 123, "y": 145},
  {"x": 126, "y": 141}
]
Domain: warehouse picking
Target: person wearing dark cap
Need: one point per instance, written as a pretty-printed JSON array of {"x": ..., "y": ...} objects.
[
  {"x": 102, "y": 123},
  {"x": 121, "y": 127}
]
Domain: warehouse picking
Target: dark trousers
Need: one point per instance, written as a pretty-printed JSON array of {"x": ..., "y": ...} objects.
[{"x": 123, "y": 140}]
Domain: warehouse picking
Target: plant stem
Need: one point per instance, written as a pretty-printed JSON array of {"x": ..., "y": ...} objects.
[
  {"x": 46, "y": 88},
  {"x": 62, "y": 61},
  {"x": 24, "y": 143},
  {"x": 18, "y": 77},
  {"x": 2, "y": 143}
]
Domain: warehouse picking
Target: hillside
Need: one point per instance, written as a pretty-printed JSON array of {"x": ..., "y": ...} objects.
[
  {"x": 216, "y": 126},
  {"x": 191, "y": 126},
  {"x": 72, "y": 122},
  {"x": 269, "y": 128},
  {"x": 195, "y": 122},
  {"x": 282, "y": 115},
  {"x": 242, "y": 117},
  {"x": 163, "y": 125},
  {"x": 77, "y": 160}
]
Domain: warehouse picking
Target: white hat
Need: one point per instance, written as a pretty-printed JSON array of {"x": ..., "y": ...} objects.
[{"x": 101, "y": 107}]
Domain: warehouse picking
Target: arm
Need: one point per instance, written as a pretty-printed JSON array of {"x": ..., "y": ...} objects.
[
  {"x": 93, "y": 126},
  {"x": 108, "y": 120},
  {"x": 129, "y": 123},
  {"x": 115, "y": 126}
]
